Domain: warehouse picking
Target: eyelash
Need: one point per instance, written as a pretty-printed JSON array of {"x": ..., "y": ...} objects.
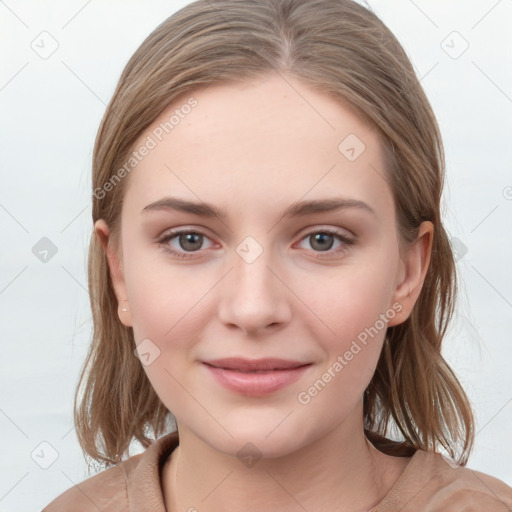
[{"x": 347, "y": 242}]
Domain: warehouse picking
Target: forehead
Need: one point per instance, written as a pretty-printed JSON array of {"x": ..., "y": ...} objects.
[{"x": 259, "y": 143}]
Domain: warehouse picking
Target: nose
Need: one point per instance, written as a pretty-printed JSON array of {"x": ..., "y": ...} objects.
[{"x": 253, "y": 297}]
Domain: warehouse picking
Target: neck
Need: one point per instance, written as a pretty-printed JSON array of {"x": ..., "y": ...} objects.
[{"x": 341, "y": 471}]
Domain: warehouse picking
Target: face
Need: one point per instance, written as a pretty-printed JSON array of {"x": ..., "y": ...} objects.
[{"x": 294, "y": 257}]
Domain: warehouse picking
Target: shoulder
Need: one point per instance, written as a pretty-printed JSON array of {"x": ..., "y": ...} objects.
[
  {"x": 107, "y": 491},
  {"x": 134, "y": 484},
  {"x": 432, "y": 482},
  {"x": 455, "y": 486}
]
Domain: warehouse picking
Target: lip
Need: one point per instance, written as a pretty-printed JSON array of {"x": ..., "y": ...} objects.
[
  {"x": 249, "y": 365},
  {"x": 255, "y": 377}
]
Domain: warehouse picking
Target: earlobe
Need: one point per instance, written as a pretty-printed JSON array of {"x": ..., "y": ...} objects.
[
  {"x": 102, "y": 232},
  {"x": 415, "y": 263}
]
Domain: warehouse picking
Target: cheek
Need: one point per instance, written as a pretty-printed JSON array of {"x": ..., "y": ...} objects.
[
  {"x": 353, "y": 300},
  {"x": 168, "y": 319},
  {"x": 169, "y": 313},
  {"x": 162, "y": 296},
  {"x": 356, "y": 310}
]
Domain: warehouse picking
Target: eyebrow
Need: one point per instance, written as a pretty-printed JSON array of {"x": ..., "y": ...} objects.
[{"x": 297, "y": 209}]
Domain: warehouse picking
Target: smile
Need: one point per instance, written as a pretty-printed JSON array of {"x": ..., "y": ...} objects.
[{"x": 255, "y": 377}]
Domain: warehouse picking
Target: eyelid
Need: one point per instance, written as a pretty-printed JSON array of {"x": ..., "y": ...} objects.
[
  {"x": 164, "y": 239},
  {"x": 326, "y": 228},
  {"x": 171, "y": 232}
]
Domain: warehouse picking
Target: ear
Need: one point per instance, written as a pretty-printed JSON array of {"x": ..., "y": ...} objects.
[
  {"x": 102, "y": 232},
  {"x": 413, "y": 269}
]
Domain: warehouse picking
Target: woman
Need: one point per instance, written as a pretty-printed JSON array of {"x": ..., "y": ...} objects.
[{"x": 270, "y": 278}]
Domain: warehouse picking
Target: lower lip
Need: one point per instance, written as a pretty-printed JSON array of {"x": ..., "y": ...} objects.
[{"x": 256, "y": 384}]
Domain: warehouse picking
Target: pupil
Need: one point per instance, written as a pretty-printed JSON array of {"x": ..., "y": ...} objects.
[
  {"x": 324, "y": 241},
  {"x": 191, "y": 241}
]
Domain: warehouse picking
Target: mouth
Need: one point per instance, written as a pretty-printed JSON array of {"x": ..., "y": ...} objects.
[
  {"x": 255, "y": 377},
  {"x": 254, "y": 365}
]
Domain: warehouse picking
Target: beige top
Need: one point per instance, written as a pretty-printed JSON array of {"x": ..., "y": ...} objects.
[{"x": 429, "y": 483}]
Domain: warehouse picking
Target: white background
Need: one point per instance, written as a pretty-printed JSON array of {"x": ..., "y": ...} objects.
[{"x": 51, "y": 109}]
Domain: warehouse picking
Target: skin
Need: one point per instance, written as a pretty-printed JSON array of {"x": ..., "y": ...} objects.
[{"x": 253, "y": 149}]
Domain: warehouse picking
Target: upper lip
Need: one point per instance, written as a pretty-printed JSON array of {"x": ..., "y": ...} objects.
[{"x": 240, "y": 363}]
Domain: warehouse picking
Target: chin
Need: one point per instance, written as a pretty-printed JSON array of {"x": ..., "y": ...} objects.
[
  {"x": 258, "y": 447},
  {"x": 257, "y": 440}
]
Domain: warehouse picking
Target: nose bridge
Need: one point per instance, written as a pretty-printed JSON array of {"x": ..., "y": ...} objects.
[
  {"x": 253, "y": 297},
  {"x": 253, "y": 281}
]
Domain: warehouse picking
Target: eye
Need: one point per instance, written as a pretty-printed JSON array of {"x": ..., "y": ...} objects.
[
  {"x": 181, "y": 242},
  {"x": 323, "y": 241}
]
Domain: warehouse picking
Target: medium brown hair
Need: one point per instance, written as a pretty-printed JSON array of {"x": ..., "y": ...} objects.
[{"x": 343, "y": 50}]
